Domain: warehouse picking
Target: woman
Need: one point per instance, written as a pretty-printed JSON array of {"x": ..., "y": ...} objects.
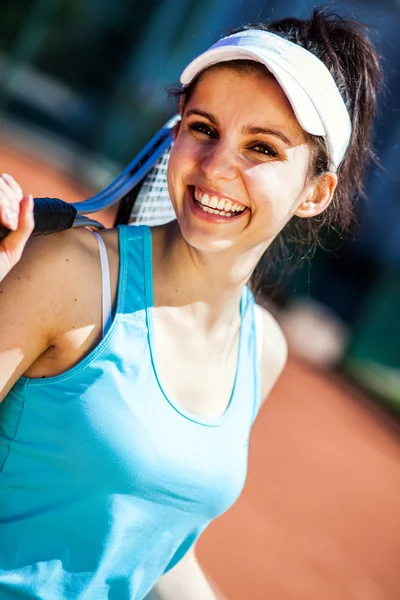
[{"x": 122, "y": 440}]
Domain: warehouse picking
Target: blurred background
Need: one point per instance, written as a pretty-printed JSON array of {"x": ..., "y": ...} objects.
[{"x": 82, "y": 89}]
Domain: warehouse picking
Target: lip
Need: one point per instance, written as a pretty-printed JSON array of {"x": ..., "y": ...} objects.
[
  {"x": 211, "y": 218},
  {"x": 211, "y": 192}
]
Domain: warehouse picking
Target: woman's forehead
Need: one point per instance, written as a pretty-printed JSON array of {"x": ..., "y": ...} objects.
[{"x": 252, "y": 93}]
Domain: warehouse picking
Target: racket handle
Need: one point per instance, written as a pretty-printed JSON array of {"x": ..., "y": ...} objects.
[{"x": 51, "y": 215}]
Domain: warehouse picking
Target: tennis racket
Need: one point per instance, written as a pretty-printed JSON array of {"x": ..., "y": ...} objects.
[{"x": 140, "y": 191}]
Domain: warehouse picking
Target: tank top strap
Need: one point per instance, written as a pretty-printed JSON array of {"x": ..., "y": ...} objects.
[
  {"x": 257, "y": 328},
  {"x": 134, "y": 258},
  {"x": 250, "y": 359}
]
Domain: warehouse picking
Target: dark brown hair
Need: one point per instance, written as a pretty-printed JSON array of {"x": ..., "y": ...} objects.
[{"x": 343, "y": 45}]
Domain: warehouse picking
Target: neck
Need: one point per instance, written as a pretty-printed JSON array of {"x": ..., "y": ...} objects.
[{"x": 206, "y": 286}]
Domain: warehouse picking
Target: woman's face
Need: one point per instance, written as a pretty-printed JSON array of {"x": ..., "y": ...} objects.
[{"x": 239, "y": 164}]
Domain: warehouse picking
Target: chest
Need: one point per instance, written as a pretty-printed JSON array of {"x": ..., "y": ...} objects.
[
  {"x": 199, "y": 374},
  {"x": 118, "y": 432}
]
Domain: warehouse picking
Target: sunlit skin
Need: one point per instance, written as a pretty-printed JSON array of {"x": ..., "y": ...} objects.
[{"x": 239, "y": 139}]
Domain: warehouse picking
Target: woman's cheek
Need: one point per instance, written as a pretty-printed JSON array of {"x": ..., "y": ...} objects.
[
  {"x": 272, "y": 199},
  {"x": 264, "y": 188}
]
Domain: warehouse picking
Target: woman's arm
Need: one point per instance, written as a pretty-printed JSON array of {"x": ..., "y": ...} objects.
[
  {"x": 43, "y": 296},
  {"x": 27, "y": 317},
  {"x": 274, "y": 352},
  {"x": 186, "y": 581}
]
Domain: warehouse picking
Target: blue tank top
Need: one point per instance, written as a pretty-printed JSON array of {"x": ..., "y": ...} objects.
[{"x": 106, "y": 482}]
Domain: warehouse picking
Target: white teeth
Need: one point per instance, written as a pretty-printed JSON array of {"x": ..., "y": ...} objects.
[
  {"x": 212, "y": 211},
  {"x": 223, "y": 206},
  {"x": 213, "y": 202},
  {"x": 205, "y": 200}
]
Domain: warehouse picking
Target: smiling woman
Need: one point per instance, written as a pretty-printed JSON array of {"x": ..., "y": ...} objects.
[
  {"x": 248, "y": 149},
  {"x": 130, "y": 387}
]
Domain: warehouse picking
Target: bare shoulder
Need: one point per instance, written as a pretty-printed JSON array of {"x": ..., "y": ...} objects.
[
  {"x": 62, "y": 272},
  {"x": 49, "y": 260},
  {"x": 53, "y": 280},
  {"x": 56, "y": 276},
  {"x": 274, "y": 350},
  {"x": 52, "y": 270}
]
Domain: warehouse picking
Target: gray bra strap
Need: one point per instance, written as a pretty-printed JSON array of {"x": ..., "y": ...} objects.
[{"x": 105, "y": 285}]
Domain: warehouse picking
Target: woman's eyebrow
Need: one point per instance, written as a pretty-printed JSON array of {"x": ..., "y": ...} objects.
[
  {"x": 267, "y": 131},
  {"x": 202, "y": 113}
]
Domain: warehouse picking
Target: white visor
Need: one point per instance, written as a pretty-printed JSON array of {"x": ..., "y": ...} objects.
[{"x": 306, "y": 81}]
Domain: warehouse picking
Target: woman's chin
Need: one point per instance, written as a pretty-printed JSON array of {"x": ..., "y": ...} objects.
[{"x": 204, "y": 241}]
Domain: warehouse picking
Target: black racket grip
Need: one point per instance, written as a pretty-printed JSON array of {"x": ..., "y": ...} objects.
[{"x": 51, "y": 215}]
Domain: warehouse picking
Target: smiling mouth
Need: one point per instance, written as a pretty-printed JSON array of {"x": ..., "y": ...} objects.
[{"x": 216, "y": 205}]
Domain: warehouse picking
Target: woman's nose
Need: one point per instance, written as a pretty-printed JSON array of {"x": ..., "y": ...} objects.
[{"x": 219, "y": 163}]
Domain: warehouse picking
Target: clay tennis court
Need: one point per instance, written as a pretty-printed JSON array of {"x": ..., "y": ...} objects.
[{"x": 319, "y": 518}]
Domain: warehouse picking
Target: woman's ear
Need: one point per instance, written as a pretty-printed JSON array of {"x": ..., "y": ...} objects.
[{"x": 318, "y": 195}]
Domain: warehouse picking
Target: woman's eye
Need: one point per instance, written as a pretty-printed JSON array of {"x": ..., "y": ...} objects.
[
  {"x": 265, "y": 149},
  {"x": 203, "y": 129}
]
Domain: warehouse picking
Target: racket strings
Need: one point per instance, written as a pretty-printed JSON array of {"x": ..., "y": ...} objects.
[{"x": 153, "y": 205}]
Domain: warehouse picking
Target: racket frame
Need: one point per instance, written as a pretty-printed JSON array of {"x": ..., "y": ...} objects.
[{"x": 125, "y": 188}]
